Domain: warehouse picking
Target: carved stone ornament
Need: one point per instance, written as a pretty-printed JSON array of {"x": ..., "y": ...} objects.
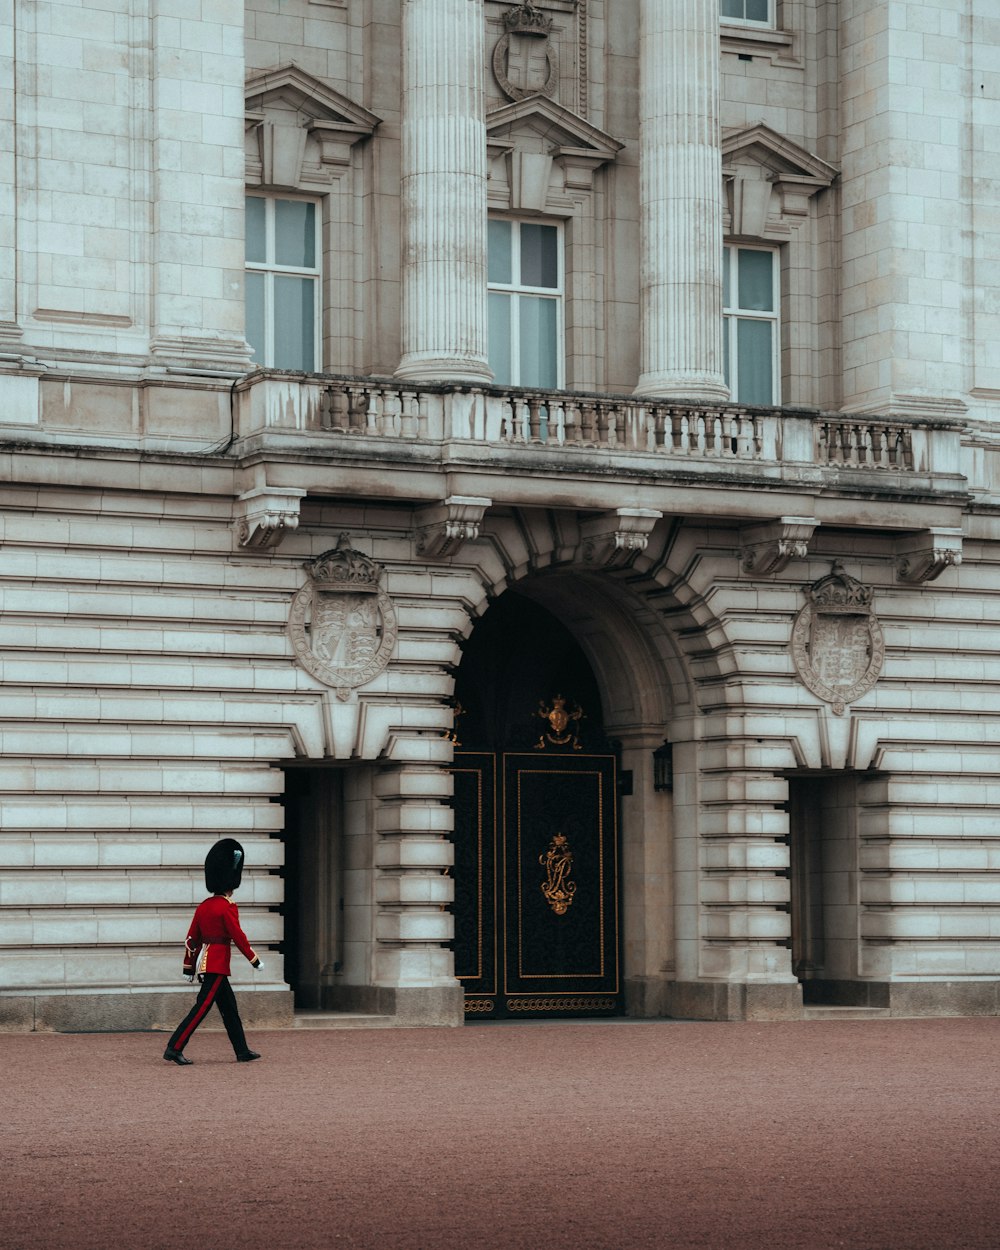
[
  {"x": 924, "y": 556},
  {"x": 443, "y": 528},
  {"x": 342, "y": 624},
  {"x": 615, "y": 538},
  {"x": 264, "y": 516},
  {"x": 524, "y": 60},
  {"x": 769, "y": 548},
  {"x": 837, "y": 643}
]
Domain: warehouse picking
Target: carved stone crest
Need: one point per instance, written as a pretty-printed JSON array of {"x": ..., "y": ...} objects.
[
  {"x": 342, "y": 623},
  {"x": 837, "y": 642},
  {"x": 524, "y": 60}
]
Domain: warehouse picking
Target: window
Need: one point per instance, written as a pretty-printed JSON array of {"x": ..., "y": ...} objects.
[
  {"x": 750, "y": 324},
  {"x": 282, "y": 282},
  {"x": 755, "y": 12},
  {"x": 525, "y": 303}
]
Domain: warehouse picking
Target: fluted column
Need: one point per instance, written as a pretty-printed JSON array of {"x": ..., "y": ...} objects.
[
  {"x": 444, "y": 193},
  {"x": 680, "y": 201}
]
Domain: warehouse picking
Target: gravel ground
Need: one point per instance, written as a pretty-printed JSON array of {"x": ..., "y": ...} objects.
[{"x": 611, "y": 1134}]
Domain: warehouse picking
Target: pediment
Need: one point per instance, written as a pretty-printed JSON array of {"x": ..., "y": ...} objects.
[
  {"x": 776, "y": 153},
  {"x": 300, "y": 131},
  {"x": 555, "y": 130},
  {"x": 290, "y": 88}
]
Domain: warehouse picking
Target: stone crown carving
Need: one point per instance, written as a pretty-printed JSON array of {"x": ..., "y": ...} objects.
[
  {"x": 345, "y": 569},
  {"x": 526, "y": 19}
]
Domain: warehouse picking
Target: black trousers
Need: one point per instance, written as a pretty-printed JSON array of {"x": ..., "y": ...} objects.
[{"x": 215, "y": 988}]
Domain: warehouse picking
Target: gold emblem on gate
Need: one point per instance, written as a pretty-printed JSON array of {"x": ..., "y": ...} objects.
[
  {"x": 558, "y": 864},
  {"x": 564, "y": 724}
]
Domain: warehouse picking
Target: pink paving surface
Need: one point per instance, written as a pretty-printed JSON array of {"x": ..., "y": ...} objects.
[{"x": 814, "y": 1134}]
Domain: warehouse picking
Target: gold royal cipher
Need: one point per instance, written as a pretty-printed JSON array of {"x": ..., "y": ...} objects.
[{"x": 558, "y": 864}]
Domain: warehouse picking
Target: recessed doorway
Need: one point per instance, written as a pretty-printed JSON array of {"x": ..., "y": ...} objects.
[{"x": 537, "y": 911}]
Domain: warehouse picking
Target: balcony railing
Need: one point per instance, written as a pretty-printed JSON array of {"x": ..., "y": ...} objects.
[{"x": 503, "y": 417}]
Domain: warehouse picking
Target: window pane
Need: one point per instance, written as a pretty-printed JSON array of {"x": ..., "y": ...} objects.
[
  {"x": 256, "y": 230},
  {"x": 499, "y": 245},
  {"x": 538, "y": 342},
  {"x": 753, "y": 362},
  {"x": 756, "y": 10},
  {"x": 294, "y": 323},
  {"x": 726, "y": 253},
  {"x": 731, "y": 8},
  {"x": 295, "y": 233},
  {"x": 756, "y": 286},
  {"x": 726, "y": 329},
  {"x": 255, "y": 315},
  {"x": 539, "y": 256},
  {"x": 499, "y": 330}
]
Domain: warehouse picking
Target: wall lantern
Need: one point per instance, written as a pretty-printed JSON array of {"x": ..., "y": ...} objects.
[{"x": 663, "y": 767}]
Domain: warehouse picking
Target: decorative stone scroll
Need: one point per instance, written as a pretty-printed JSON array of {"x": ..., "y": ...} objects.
[
  {"x": 769, "y": 548},
  {"x": 615, "y": 538},
  {"x": 443, "y": 528},
  {"x": 837, "y": 643},
  {"x": 924, "y": 556},
  {"x": 342, "y": 624},
  {"x": 264, "y": 516}
]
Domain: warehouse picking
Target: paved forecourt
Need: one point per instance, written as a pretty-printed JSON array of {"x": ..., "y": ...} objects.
[{"x": 613, "y": 1134}]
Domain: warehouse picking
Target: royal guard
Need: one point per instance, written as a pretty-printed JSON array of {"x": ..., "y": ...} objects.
[{"x": 214, "y": 929}]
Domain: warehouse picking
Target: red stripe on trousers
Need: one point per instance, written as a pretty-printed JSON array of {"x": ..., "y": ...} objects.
[{"x": 209, "y": 1000}]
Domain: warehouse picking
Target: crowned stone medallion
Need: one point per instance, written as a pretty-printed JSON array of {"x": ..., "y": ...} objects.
[
  {"x": 342, "y": 623},
  {"x": 837, "y": 643},
  {"x": 524, "y": 59}
]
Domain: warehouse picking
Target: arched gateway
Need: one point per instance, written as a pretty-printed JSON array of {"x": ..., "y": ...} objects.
[{"x": 537, "y": 858}]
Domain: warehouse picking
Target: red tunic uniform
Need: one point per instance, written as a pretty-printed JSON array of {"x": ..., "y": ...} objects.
[{"x": 216, "y": 926}]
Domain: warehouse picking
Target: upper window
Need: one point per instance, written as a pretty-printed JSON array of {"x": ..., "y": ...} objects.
[
  {"x": 525, "y": 303},
  {"x": 750, "y": 324},
  {"x": 283, "y": 282},
  {"x": 755, "y": 12}
]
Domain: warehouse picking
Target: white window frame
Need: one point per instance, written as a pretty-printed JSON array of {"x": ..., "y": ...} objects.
[
  {"x": 271, "y": 269},
  {"x": 557, "y": 294},
  {"x": 733, "y": 314},
  {"x": 768, "y": 23}
]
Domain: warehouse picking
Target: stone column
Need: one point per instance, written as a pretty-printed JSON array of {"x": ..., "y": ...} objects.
[
  {"x": 680, "y": 181},
  {"x": 444, "y": 193}
]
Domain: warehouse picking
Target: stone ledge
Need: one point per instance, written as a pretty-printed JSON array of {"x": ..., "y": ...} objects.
[
  {"x": 409, "y": 1006},
  {"x": 722, "y": 1000},
  {"x": 117, "y": 1011}
]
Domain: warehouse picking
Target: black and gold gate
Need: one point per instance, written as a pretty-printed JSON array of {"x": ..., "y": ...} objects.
[{"x": 536, "y": 832}]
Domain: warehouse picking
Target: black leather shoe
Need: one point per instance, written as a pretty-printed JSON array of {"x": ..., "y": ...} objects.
[
  {"x": 247, "y": 1056},
  {"x": 175, "y": 1056}
]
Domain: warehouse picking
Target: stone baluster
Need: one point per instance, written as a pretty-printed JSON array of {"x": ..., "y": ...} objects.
[
  {"x": 444, "y": 193},
  {"x": 680, "y": 174}
]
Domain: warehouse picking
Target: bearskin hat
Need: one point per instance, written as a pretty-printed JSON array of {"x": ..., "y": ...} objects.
[{"x": 224, "y": 866}]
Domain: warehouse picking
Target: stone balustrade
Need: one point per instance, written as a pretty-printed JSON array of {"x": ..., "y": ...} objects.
[{"x": 511, "y": 417}]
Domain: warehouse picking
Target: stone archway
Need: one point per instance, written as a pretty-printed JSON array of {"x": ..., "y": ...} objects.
[{"x": 638, "y": 678}]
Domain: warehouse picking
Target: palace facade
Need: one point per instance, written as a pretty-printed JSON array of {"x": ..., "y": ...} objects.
[{"x": 530, "y": 473}]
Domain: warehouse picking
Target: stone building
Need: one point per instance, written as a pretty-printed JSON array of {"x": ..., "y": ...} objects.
[{"x": 531, "y": 473}]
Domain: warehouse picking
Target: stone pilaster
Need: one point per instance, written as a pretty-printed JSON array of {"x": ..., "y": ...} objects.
[
  {"x": 413, "y": 890},
  {"x": 197, "y": 247},
  {"x": 907, "y": 227},
  {"x": 444, "y": 193},
  {"x": 680, "y": 201},
  {"x": 8, "y": 183}
]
